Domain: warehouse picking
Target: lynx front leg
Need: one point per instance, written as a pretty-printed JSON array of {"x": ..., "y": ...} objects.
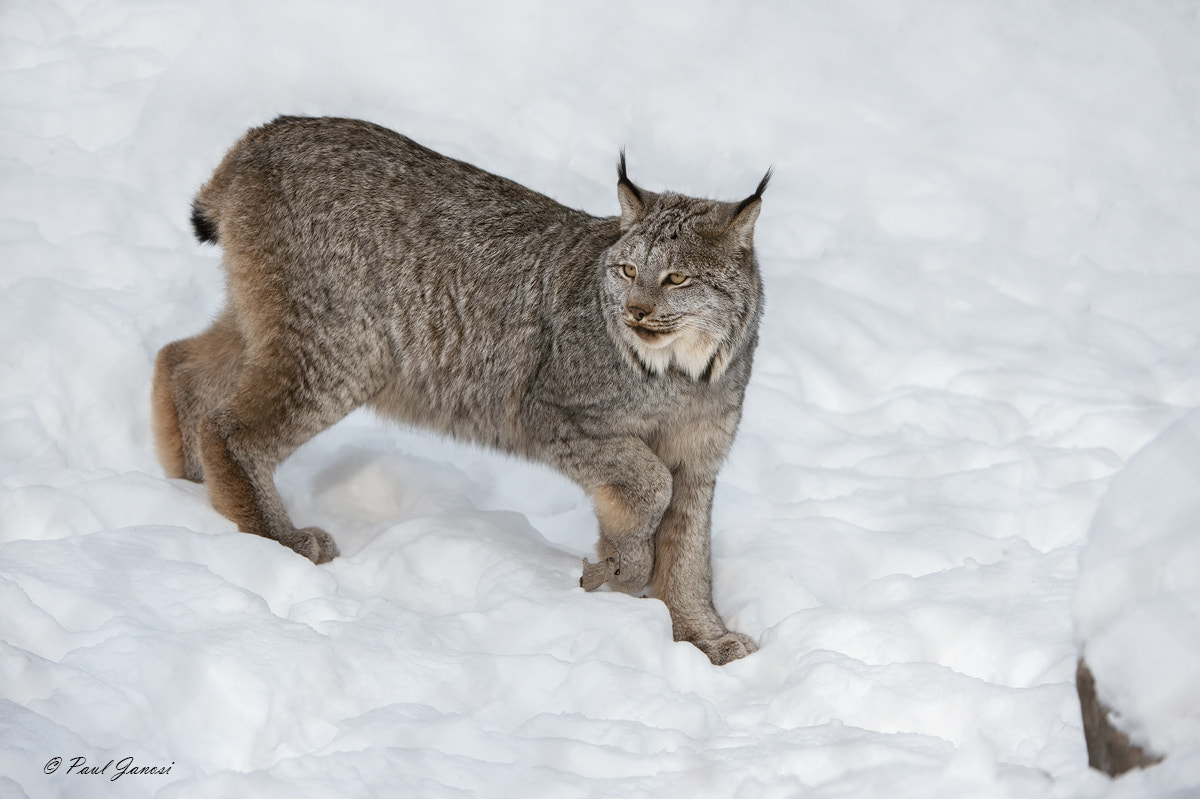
[
  {"x": 626, "y": 545},
  {"x": 682, "y": 576},
  {"x": 630, "y": 487}
]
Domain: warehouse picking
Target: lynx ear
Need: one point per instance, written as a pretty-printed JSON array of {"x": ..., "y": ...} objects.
[
  {"x": 741, "y": 229},
  {"x": 633, "y": 207}
]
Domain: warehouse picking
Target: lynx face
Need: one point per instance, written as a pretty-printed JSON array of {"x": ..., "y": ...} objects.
[{"x": 680, "y": 285}]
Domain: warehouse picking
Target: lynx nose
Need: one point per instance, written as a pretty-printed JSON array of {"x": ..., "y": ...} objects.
[{"x": 638, "y": 312}]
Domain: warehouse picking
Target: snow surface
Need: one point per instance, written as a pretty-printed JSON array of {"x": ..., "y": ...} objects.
[{"x": 982, "y": 257}]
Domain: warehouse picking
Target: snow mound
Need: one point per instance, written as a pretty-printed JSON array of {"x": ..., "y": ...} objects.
[{"x": 1137, "y": 605}]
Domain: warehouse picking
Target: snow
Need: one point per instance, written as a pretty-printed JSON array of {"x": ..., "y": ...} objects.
[{"x": 982, "y": 256}]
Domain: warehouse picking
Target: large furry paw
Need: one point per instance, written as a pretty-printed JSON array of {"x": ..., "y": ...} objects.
[
  {"x": 635, "y": 570},
  {"x": 313, "y": 543},
  {"x": 726, "y": 648}
]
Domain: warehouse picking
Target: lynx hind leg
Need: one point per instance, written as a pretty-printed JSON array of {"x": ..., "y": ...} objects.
[
  {"x": 164, "y": 409},
  {"x": 727, "y": 648},
  {"x": 272, "y": 411},
  {"x": 191, "y": 378}
]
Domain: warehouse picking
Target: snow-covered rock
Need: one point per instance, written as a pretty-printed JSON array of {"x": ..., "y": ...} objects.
[{"x": 1137, "y": 605}]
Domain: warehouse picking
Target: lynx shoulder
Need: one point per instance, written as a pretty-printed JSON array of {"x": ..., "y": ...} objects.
[{"x": 365, "y": 269}]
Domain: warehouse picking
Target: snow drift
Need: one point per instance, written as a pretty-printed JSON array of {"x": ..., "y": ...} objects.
[{"x": 1137, "y": 604}]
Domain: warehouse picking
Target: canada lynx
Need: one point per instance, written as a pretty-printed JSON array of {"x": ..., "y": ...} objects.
[{"x": 365, "y": 269}]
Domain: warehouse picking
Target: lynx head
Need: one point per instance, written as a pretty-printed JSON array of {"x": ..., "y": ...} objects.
[{"x": 681, "y": 285}]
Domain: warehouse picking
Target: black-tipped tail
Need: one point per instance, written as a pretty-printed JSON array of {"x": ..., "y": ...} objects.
[{"x": 203, "y": 225}]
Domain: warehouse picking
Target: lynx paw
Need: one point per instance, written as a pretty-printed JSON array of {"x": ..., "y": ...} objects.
[
  {"x": 628, "y": 572},
  {"x": 726, "y": 648},
  {"x": 634, "y": 574},
  {"x": 597, "y": 574},
  {"x": 313, "y": 543}
]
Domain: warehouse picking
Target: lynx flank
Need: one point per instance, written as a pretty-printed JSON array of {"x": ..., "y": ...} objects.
[{"x": 365, "y": 269}]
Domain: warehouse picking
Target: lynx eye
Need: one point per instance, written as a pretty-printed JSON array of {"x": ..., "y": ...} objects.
[
  {"x": 676, "y": 278},
  {"x": 630, "y": 270}
]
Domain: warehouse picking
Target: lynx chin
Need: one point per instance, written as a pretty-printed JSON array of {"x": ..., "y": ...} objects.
[{"x": 365, "y": 269}]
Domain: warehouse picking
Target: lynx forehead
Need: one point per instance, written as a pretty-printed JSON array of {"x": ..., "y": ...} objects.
[{"x": 365, "y": 269}]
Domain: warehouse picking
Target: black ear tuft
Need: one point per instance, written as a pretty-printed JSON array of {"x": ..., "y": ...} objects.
[
  {"x": 757, "y": 195},
  {"x": 741, "y": 230},
  {"x": 623, "y": 178},
  {"x": 762, "y": 184},
  {"x": 633, "y": 205}
]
